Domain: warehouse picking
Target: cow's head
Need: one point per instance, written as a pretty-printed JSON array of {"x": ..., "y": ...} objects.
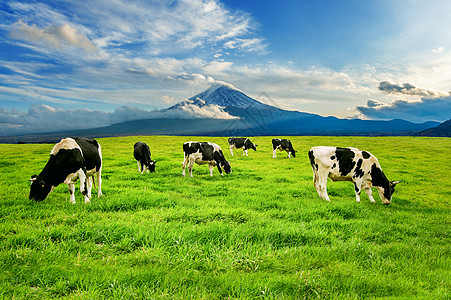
[
  {"x": 39, "y": 190},
  {"x": 386, "y": 192},
  {"x": 226, "y": 165},
  {"x": 293, "y": 152},
  {"x": 151, "y": 166},
  {"x": 254, "y": 147}
]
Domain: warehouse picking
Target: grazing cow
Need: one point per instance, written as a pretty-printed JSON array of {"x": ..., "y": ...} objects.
[
  {"x": 349, "y": 164},
  {"x": 70, "y": 159},
  {"x": 244, "y": 143},
  {"x": 204, "y": 153},
  {"x": 282, "y": 144},
  {"x": 141, "y": 153}
]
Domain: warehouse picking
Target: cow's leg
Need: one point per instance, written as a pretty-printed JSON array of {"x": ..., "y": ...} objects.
[
  {"x": 369, "y": 192},
  {"x": 99, "y": 183},
  {"x": 322, "y": 183},
  {"x": 71, "y": 187},
  {"x": 289, "y": 154},
  {"x": 184, "y": 163},
  {"x": 147, "y": 168},
  {"x": 139, "y": 165},
  {"x": 211, "y": 169},
  {"x": 245, "y": 152},
  {"x": 190, "y": 167},
  {"x": 89, "y": 184},
  {"x": 357, "y": 189},
  {"x": 219, "y": 168},
  {"x": 274, "y": 153},
  {"x": 316, "y": 181},
  {"x": 83, "y": 185},
  {"x": 231, "y": 150}
]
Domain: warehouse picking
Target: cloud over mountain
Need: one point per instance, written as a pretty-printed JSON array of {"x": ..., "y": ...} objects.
[{"x": 44, "y": 118}]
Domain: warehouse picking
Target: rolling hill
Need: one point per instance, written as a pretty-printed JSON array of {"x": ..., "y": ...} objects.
[{"x": 442, "y": 130}]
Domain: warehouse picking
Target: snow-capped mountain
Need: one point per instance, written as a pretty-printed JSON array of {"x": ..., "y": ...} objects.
[
  {"x": 228, "y": 96},
  {"x": 235, "y": 103}
]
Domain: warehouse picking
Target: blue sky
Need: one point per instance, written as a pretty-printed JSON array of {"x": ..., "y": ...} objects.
[{"x": 79, "y": 64}]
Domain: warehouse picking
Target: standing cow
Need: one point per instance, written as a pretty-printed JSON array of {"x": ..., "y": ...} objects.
[
  {"x": 282, "y": 145},
  {"x": 141, "y": 152},
  {"x": 204, "y": 153},
  {"x": 70, "y": 159},
  {"x": 244, "y": 143},
  {"x": 349, "y": 164}
]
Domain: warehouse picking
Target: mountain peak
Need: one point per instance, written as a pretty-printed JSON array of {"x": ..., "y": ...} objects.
[
  {"x": 221, "y": 84},
  {"x": 226, "y": 95}
]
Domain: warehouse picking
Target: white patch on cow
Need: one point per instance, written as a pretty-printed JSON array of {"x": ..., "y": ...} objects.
[{"x": 67, "y": 144}]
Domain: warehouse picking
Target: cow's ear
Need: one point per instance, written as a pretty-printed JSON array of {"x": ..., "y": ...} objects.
[
  {"x": 394, "y": 183},
  {"x": 33, "y": 178}
]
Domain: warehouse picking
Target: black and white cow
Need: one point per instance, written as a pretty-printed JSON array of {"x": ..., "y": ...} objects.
[
  {"x": 141, "y": 152},
  {"x": 204, "y": 153},
  {"x": 244, "y": 143},
  {"x": 349, "y": 164},
  {"x": 70, "y": 159},
  {"x": 282, "y": 145}
]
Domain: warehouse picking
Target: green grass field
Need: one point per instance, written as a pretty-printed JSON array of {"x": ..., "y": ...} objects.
[{"x": 260, "y": 232}]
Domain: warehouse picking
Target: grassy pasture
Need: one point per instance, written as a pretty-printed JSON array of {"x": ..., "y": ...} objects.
[{"x": 260, "y": 232}]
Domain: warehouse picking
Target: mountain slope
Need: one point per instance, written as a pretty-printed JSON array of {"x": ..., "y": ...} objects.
[{"x": 442, "y": 130}]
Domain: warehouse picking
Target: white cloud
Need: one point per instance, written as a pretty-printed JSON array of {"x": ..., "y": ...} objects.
[
  {"x": 53, "y": 36},
  {"x": 248, "y": 45},
  {"x": 216, "y": 67},
  {"x": 407, "y": 89},
  {"x": 165, "y": 27},
  {"x": 426, "y": 109},
  {"x": 438, "y": 50},
  {"x": 44, "y": 118}
]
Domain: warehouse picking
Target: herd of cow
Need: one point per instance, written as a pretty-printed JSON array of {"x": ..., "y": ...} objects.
[{"x": 81, "y": 158}]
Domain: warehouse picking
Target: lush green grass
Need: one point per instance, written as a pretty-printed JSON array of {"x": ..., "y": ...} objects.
[{"x": 260, "y": 232}]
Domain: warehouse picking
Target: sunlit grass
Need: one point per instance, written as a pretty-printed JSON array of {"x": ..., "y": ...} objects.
[{"x": 260, "y": 232}]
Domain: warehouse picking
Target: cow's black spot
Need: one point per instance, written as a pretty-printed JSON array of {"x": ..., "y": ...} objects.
[
  {"x": 366, "y": 155},
  {"x": 345, "y": 158},
  {"x": 356, "y": 188},
  {"x": 334, "y": 165},
  {"x": 358, "y": 169},
  {"x": 378, "y": 178},
  {"x": 332, "y": 157},
  {"x": 312, "y": 159}
]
